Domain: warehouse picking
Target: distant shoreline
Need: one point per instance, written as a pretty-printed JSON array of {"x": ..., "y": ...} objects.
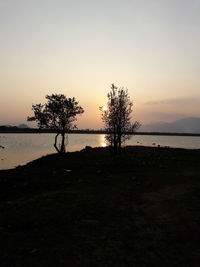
[{"x": 15, "y": 130}]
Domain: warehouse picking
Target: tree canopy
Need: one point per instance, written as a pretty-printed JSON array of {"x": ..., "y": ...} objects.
[
  {"x": 58, "y": 114},
  {"x": 117, "y": 117}
]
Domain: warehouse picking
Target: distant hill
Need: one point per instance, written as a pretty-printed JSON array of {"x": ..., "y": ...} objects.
[
  {"x": 186, "y": 125},
  {"x": 22, "y": 126}
]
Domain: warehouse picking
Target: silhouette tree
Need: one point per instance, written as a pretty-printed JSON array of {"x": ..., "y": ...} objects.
[
  {"x": 58, "y": 114},
  {"x": 117, "y": 118}
]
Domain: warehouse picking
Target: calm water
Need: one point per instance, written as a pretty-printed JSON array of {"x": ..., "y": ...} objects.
[{"x": 22, "y": 148}]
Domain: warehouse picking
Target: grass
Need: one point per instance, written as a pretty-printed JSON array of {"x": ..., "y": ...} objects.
[{"x": 141, "y": 208}]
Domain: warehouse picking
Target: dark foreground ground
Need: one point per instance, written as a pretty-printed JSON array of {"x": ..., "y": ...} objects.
[{"x": 141, "y": 208}]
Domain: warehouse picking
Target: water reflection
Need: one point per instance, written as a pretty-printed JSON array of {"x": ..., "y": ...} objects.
[
  {"x": 22, "y": 148},
  {"x": 102, "y": 140}
]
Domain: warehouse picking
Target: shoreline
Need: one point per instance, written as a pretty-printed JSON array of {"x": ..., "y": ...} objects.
[
  {"x": 37, "y": 131},
  {"x": 104, "y": 148}
]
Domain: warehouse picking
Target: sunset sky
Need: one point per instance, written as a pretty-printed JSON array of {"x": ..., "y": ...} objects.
[{"x": 80, "y": 47}]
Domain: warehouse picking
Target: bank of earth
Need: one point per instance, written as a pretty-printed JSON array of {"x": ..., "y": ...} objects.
[{"x": 88, "y": 208}]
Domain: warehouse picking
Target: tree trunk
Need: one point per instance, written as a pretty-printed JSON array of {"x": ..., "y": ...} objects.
[
  {"x": 119, "y": 142},
  {"x": 55, "y": 143},
  {"x": 62, "y": 149},
  {"x": 115, "y": 143}
]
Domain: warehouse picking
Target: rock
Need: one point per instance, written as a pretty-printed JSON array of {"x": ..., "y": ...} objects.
[
  {"x": 34, "y": 250},
  {"x": 67, "y": 170},
  {"x": 87, "y": 148}
]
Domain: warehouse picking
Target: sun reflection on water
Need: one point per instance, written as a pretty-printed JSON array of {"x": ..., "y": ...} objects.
[{"x": 102, "y": 140}]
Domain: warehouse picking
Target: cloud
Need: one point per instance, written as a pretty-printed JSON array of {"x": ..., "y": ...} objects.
[{"x": 192, "y": 100}]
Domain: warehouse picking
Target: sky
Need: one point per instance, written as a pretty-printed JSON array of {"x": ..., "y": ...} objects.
[{"x": 80, "y": 47}]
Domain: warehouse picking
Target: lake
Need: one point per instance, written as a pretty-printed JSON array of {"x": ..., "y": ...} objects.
[{"x": 22, "y": 148}]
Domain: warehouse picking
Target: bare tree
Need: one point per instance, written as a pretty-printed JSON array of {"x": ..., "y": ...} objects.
[
  {"x": 58, "y": 114},
  {"x": 117, "y": 118}
]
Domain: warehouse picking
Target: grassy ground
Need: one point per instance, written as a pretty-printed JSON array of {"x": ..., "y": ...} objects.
[{"x": 141, "y": 208}]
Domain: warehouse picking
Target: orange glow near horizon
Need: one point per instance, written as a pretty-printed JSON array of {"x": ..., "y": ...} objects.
[{"x": 79, "y": 48}]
